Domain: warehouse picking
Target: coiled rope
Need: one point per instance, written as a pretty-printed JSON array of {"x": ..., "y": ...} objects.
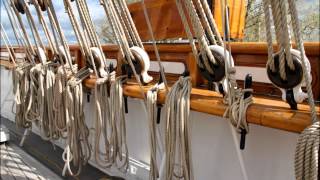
[
  {"x": 118, "y": 142},
  {"x": 178, "y": 161},
  {"x": 20, "y": 83},
  {"x": 103, "y": 122},
  {"x": 78, "y": 149},
  {"x": 102, "y": 115}
]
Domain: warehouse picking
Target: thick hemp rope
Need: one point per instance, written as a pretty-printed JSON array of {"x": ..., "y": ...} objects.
[
  {"x": 178, "y": 161},
  {"x": 78, "y": 149},
  {"x": 307, "y": 149},
  {"x": 102, "y": 115},
  {"x": 204, "y": 29},
  {"x": 20, "y": 74},
  {"x": 118, "y": 142},
  {"x": 103, "y": 122},
  {"x": 91, "y": 49},
  {"x": 278, "y": 10},
  {"x": 30, "y": 49},
  {"x": 42, "y": 81},
  {"x": 38, "y": 75},
  {"x": 20, "y": 84}
]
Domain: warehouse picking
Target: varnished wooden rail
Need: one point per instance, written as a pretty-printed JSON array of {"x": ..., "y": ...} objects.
[{"x": 264, "y": 111}]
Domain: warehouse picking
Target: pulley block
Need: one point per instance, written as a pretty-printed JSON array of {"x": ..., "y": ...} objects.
[
  {"x": 218, "y": 69},
  {"x": 141, "y": 63},
  {"x": 294, "y": 77},
  {"x": 19, "y": 5},
  {"x": 42, "y": 4},
  {"x": 98, "y": 62}
]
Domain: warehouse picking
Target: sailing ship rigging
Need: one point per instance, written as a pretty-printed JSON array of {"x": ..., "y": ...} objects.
[{"x": 49, "y": 85}]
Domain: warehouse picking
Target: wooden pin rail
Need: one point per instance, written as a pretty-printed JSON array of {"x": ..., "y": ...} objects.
[{"x": 264, "y": 112}]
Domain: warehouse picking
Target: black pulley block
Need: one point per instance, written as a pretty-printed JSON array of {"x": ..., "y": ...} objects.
[
  {"x": 19, "y": 6},
  {"x": 294, "y": 77},
  {"x": 218, "y": 69},
  {"x": 42, "y": 5},
  {"x": 126, "y": 68}
]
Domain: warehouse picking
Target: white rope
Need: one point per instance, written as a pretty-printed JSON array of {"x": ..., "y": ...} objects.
[
  {"x": 25, "y": 34},
  {"x": 118, "y": 126},
  {"x": 103, "y": 120},
  {"x": 77, "y": 149},
  {"x": 237, "y": 105},
  {"x": 178, "y": 160},
  {"x": 307, "y": 150}
]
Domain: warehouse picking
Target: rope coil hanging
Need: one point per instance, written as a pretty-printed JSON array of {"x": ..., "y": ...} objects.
[
  {"x": 118, "y": 142},
  {"x": 178, "y": 159},
  {"x": 78, "y": 149}
]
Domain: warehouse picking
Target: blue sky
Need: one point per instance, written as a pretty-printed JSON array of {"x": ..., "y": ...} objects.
[{"x": 96, "y": 11}]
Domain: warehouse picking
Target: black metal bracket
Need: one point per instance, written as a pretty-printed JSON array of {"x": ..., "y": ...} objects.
[
  {"x": 88, "y": 96},
  {"x": 159, "y": 113},
  {"x": 125, "y": 98},
  {"x": 243, "y": 133},
  {"x": 290, "y": 99}
]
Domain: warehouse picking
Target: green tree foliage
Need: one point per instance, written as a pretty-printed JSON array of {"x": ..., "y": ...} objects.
[{"x": 308, "y": 17}]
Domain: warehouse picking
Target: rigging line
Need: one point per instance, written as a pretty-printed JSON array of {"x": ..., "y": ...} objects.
[
  {"x": 231, "y": 84},
  {"x": 120, "y": 31},
  {"x": 112, "y": 23},
  {"x": 307, "y": 149},
  {"x": 297, "y": 33},
  {"x": 188, "y": 31},
  {"x": 80, "y": 36},
  {"x": 125, "y": 26},
  {"x": 12, "y": 25},
  {"x": 200, "y": 34},
  {"x": 83, "y": 8},
  {"x": 54, "y": 20},
  {"x": 156, "y": 50},
  {"x": 212, "y": 22},
  {"x": 205, "y": 22},
  {"x": 33, "y": 26},
  {"x": 35, "y": 33},
  {"x": 45, "y": 27},
  {"x": 7, "y": 44},
  {"x": 18, "y": 34},
  {"x": 23, "y": 28},
  {"x": 128, "y": 54},
  {"x": 135, "y": 31}
]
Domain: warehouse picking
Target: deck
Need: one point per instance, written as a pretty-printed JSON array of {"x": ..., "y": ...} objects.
[{"x": 17, "y": 164}]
